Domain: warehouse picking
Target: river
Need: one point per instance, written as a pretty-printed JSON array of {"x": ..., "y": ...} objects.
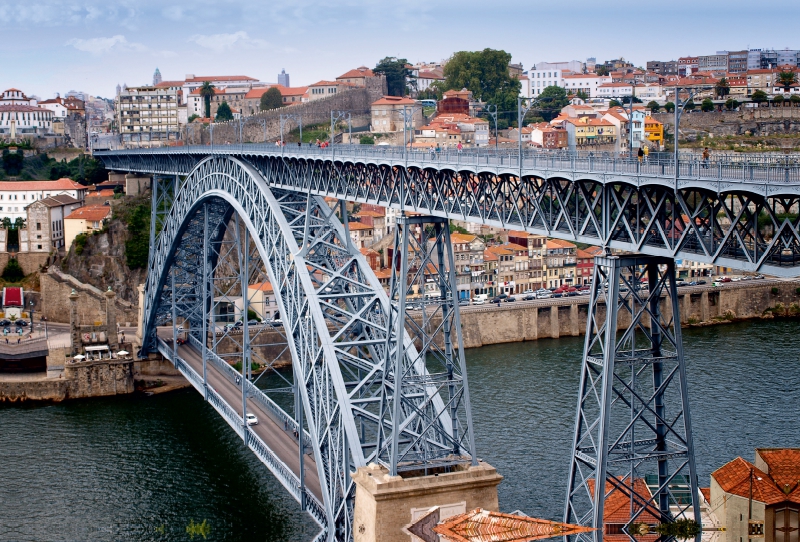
[{"x": 168, "y": 468}]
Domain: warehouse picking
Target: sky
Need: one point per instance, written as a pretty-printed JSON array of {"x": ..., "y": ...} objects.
[{"x": 91, "y": 45}]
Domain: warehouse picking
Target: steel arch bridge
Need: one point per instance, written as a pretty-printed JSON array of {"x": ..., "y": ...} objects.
[
  {"x": 741, "y": 213},
  {"x": 340, "y": 330}
]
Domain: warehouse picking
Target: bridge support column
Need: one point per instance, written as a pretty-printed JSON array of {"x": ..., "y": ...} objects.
[
  {"x": 574, "y": 324},
  {"x": 385, "y": 504},
  {"x": 705, "y": 313},
  {"x": 633, "y": 433},
  {"x": 555, "y": 330}
]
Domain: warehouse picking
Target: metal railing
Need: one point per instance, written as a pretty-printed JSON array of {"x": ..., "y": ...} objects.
[{"x": 742, "y": 167}]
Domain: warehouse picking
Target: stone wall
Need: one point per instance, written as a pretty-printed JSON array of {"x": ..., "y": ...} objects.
[
  {"x": 56, "y": 288},
  {"x": 761, "y": 121},
  {"x": 29, "y": 261},
  {"x": 80, "y": 380},
  {"x": 357, "y": 101},
  {"x": 567, "y": 317}
]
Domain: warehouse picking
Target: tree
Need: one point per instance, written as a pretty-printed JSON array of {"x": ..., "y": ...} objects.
[
  {"x": 759, "y": 96},
  {"x": 551, "y": 100},
  {"x": 732, "y": 104},
  {"x": 601, "y": 70},
  {"x": 707, "y": 105},
  {"x": 224, "y": 112},
  {"x": 778, "y": 99},
  {"x": 366, "y": 140},
  {"x": 689, "y": 106},
  {"x": 787, "y": 80},
  {"x": 207, "y": 91},
  {"x": 653, "y": 106},
  {"x": 485, "y": 74},
  {"x": 722, "y": 88},
  {"x": 614, "y": 103},
  {"x": 795, "y": 99},
  {"x": 13, "y": 162},
  {"x": 13, "y": 272},
  {"x": 669, "y": 107},
  {"x": 627, "y": 100},
  {"x": 271, "y": 99},
  {"x": 396, "y": 73},
  {"x": 582, "y": 95},
  {"x": 192, "y": 118}
]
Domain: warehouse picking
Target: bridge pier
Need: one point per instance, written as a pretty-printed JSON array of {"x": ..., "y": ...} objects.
[
  {"x": 385, "y": 504},
  {"x": 633, "y": 434}
]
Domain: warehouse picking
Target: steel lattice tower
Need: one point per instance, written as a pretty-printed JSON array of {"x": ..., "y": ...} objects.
[
  {"x": 425, "y": 414},
  {"x": 633, "y": 428}
]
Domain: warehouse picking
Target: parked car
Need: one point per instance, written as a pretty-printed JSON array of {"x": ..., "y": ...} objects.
[
  {"x": 251, "y": 419},
  {"x": 276, "y": 322},
  {"x": 544, "y": 295},
  {"x": 497, "y": 300},
  {"x": 529, "y": 297},
  {"x": 5, "y": 322},
  {"x": 528, "y": 292},
  {"x": 510, "y": 299},
  {"x": 701, "y": 282},
  {"x": 558, "y": 295},
  {"x": 479, "y": 301},
  {"x": 463, "y": 303},
  {"x": 253, "y": 322}
]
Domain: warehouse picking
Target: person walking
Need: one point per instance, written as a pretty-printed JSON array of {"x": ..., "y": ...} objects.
[
  {"x": 646, "y": 152},
  {"x": 706, "y": 156},
  {"x": 459, "y": 147},
  {"x": 640, "y": 154}
]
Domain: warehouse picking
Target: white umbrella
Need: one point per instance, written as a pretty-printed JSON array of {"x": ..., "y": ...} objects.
[
  {"x": 123, "y": 353},
  {"x": 79, "y": 356}
]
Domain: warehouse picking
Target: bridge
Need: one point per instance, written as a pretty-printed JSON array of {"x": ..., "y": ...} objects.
[{"x": 373, "y": 387}]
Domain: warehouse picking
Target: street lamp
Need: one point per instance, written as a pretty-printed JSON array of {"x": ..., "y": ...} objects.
[
  {"x": 679, "y": 107},
  {"x": 31, "y": 305},
  {"x": 408, "y": 118},
  {"x": 335, "y": 116},
  {"x": 491, "y": 110},
  {"x": 297, "y": 117},
  {"x": 521, "y": 112}
]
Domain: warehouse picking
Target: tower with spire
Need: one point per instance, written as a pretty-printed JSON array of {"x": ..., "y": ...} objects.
[{"x": 156, "y": 77}]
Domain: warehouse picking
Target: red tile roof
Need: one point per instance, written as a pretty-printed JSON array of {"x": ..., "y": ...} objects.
[
  {"x": 359, "y": 226},
  {"x": 265, "y": 287},
  {"x": 394, "y": 100},
  {"x": 61, "y": 184},
  {"x": 90, "y": 212},
  {"x": 361, "y": 71},
  {"x": 735, "y": 477}
]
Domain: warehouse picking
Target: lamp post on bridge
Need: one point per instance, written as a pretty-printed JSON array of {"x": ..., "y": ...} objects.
[
  {"x": 297, "y": 117},
  {"x": 335, "y": 116},
  {"x": 679, "y": 108},
  {"x": 408, "y": 118},
  {"x": 522, "y": 111},
  {"x": 491, "y": 110}
]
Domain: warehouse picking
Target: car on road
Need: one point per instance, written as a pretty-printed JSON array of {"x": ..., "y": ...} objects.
[
  {"x": 463, "y": 303},
  {"x": 701, "y": 282},
  {"x": 544, "y": 295},
  {"x": 276, "y": 322},
  {"x": 529, "y": 297},
  {"x": 510, "y": 299},
  {"x": 253, "y": 322},
  {"x": 5, "y": 322},
  {"x": 528, "y": 292},
  {"x": 251, "y": 419},
  {"x": 478, "y": 301},
  {"x": 21, "y": 323}
]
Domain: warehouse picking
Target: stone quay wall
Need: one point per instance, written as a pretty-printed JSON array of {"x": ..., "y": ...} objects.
[
  {"x": 79, "y": 381},
  {"x": 357, "y": 101},
  {"x": 763, "y": 121},
  {"x": 56, "y": 287}
]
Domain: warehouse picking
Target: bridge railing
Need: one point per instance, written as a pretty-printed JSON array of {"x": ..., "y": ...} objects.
[{"x": 744, "y": 167}]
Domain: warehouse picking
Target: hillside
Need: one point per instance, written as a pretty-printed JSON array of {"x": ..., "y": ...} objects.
[{"x": 117, "y": 255}]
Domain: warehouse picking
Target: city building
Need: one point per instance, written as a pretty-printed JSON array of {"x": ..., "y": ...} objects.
[
  {"x": 584, "y": 267},
  {"x": 561, "y": 263},
  {"x": 283, "y": 79},
  {"x": 148, "y": 116},
  {"x": 713, "y": 63},
  {"x": 586, "y": 83},
  {"x": 87, "y": 220},
  {"x": 512, "y": 270},
  {"x": 325, "y": 89},
  {"x": 468, "y": 260},
  {"x": 360, "y": 234},
  {"x": 15, "y": 196},
  {"x": 737, "y": 61},
  {"x": 20, "y": 115},
  {"x": 356, "y": 77},
  {"x": 537, "y": 248},
  {"x": 157, "y": 77},
  {"x": 687, "y": 65},
  {"x": 549, "y": 74},
  {"x": 376, "y": 219},
  {"x": 759, "y": 500},
  {"x": 586, "y": 131},
  {"x": 387, "y": 114},
  {"x": 669, "y": 67},
  {"x": 426, "y": 78},
  {"x": 45, "y": 222},
  {"x": 261, "y": 300},
  {"x": 63, "y": 107},
  {"x": 771, "y": 58},
  {"x": 654, "y": 132}
]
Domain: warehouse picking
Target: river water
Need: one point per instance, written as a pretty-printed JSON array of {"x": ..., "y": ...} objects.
[{"x": 168, "y": 468}]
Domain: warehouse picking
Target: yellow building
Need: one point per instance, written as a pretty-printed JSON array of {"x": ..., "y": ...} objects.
[
  {"x": 86, "y": 220},
  {"x": 654, "y": 131}
]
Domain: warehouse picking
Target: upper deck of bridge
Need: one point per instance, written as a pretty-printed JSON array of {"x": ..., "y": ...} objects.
[{"x": 762, "y": 173}]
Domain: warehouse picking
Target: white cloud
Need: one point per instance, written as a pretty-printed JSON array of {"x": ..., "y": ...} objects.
[
  {"x": 225, "y": 42},
  {"x": 98, "y": 46}
]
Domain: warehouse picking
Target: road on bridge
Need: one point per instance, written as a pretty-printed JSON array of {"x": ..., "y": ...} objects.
[{"x": 279, "y": 440}]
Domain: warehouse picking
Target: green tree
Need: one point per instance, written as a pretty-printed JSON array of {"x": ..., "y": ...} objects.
[
  {"x": 722, "y": 88},
  {"x": 689, "y": 106},
  {"x": 271, "y": 99},
  {"x": 224, "y": 112},
  {"x": 732, "y": 104},
  {"x": 778, "y": 99},
  {"x": 485, "y": 74},
  {"x": 614, "y": 103},
  {"x": 787, "y": 80},
  {"x": 759, "y": 96},
  {"x": 207, "y": 91},
  {"x": 551, "y": 101},
  {"x": 12, "y": 162},
  {"x": 13, "y": 271},
  {"x": 653, "y": 106},
  {"x": 396, "y": 73},
  {"x": 707, "y": 105},
  {"x": 795, "y": 99},
  {"x": 366, "y": 140},
  {"x": 137, "y": 247},
  {"x": 193, "y": 118},
  {"x": 669, "y": 107},
  {"x": 601, "y": 70},
  {"x": 582, "y": 95}
]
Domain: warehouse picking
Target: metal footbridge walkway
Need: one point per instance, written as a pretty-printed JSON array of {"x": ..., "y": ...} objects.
[{"x": 737, "y": 210}]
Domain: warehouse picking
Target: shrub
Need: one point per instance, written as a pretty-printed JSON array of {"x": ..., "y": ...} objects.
[
  {"x": 13, "y": 271},
  {"x": 775, "y": 290},
  {"x": 80, "y": 243},
  {"x": 366, "y": 140},
  {"x": 137, "y": 247}
]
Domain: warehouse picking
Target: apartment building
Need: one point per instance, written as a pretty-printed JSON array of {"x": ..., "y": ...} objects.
[
  {"x": 357, "y": 77},
  {"x": 561, "y": 263},
  {"x": 387, "y": 114},
  {"x": 15, "y": 196},
  {"x": 584, "y": 82},
  {"x": 468, "y": 260},
  {"x": 45, "y": 222},
  {"x": 547, "y": 74},
  {"x": 147, "y": 116},
  {"x": 537, "y": 248}
]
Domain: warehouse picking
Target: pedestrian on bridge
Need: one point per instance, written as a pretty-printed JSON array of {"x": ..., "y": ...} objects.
[
  {"x": 706, "y": 156},
  {"x": 640, "y": 154}
]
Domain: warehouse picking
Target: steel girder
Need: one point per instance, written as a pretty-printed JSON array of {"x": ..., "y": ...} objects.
[
  {"x": 753, "y": 226},
  {"x": 633, "y": 448},
  {"x": 334, "y": 309}
]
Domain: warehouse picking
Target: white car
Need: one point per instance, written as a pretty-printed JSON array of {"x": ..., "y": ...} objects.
[
  {"x": 479, "y": 301},
  {"x": 544, "y": 295},
  {"x": 251, "y": 419}
]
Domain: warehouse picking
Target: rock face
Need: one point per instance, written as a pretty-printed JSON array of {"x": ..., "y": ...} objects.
[{"x": 102, "y": 263}]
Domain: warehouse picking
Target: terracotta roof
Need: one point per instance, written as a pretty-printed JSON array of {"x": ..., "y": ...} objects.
[
  {"x": 734, "y": 477},
  {"x": 293, "y": 91},
  {"x": 368, "y": 252},
  {"x": 104, "y": 193},
  {"x": 706, "y": 492},
  {"x": 359, "y": 226},
  {"x": 485, "y": 526},
  {"x": 373, "y": 214},
  {"x": 167, "y": 84},
  {"x": 558, "y": 243},
  {"x": 462, "y": 238},
  {"x": 394, "y": 100},
  {"x": 57, "y": 201},
  {"x": 784, "y": 466},
  {"x": 23, "y": 108},
  {"x": 489, "y": 256},
  {"x": 361, "y": 71},
  {"x": 617, "y": 507},
  {"x": 261, "y": 287},
  {"x": 90, "y": 212},
  {"x": 61, "y": 184},
  {"x": 383, "y": 273},
  {"x": 580, "y": 253}
]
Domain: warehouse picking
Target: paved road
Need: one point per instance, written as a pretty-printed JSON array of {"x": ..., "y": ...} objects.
[{"x": 281, "y": 442}]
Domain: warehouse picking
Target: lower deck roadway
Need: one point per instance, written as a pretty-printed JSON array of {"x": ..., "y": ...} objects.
[{"x": 281, "y": 442}]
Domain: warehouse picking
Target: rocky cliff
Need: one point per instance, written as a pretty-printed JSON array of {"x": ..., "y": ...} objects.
[{"x": 102, "y": 261}]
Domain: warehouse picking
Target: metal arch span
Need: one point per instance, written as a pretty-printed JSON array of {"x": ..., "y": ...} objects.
[
  {"x": 736, "y": 215},
  {"x": 333, "y": 308}
]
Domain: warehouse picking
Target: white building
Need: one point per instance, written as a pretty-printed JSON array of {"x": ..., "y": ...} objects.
[
  {"x": 21, "y": 115},
  {"x": 15, "y": 196},
  {"x": 148, "y": 114},
  {"x": 587, "y": 83},
  {"x": 548, "y": 74},
  {"x": 614, "y": 90}
]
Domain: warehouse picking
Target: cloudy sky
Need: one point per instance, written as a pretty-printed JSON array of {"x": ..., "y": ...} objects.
[{"x": 91, "y": 45}]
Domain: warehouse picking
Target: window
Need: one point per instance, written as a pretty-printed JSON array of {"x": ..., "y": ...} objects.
[
  {"x": 39, "y": 247},
  {"x": 39, "y": 226}
]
